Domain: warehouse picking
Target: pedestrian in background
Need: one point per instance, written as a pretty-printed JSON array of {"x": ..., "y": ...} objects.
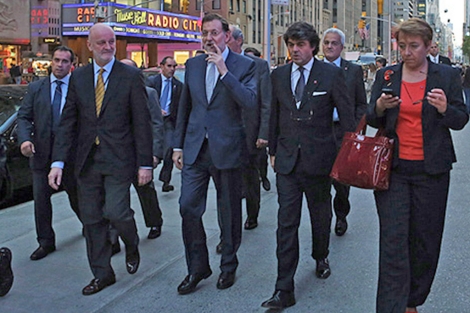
[
  {"x": 38, "y": 121},
  {"x": 333, "y": 44},
  {"x": 426, "y": 102},
  {"x": 168, "y": 89}
]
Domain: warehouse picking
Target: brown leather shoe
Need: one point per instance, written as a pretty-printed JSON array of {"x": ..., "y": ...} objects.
[
  {"x": 96, "y": 285},
  {"x": 41, "y": 252}
]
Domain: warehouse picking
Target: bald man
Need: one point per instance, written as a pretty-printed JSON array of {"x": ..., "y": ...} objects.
[{"x": 112, "y": 128}]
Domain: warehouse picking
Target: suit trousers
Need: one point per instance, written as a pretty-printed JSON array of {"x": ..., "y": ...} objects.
[
  {"x": 149, "y": 202},
  {"x": 341, "y": 204},
  {"x": 291, "y": 188},
  {"x": 411, "y": 215},
  {"x": 195, "y": 179},
  {"x": 42, "y": 193},
  {"x": 251, "y": 187},
  {"x": 263, "y": 163},
  {"x": 105, "y": 198},
  {"x": 167, "y": 167}
]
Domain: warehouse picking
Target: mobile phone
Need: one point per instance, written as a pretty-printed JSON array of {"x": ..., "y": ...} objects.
[{"x": 389, "y": 91}]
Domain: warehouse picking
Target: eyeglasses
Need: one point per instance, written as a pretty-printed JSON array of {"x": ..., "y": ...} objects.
[{"x": 213, "y": 33}]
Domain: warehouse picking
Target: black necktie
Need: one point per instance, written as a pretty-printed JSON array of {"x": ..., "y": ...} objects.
[
  {"x": 56, "y": 105},
  {"x": 299, "y": 88}
]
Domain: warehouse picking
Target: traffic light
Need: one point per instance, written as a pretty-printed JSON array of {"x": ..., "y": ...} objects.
[
  {"x": 185, "y": 4},
  {"x": 361, "y": 24},
  {"x": 380, "y": 7}
]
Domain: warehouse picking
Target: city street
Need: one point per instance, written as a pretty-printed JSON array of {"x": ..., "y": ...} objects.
[{"x": 54, "y": 284}]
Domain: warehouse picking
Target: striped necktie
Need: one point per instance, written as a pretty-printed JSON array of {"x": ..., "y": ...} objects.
[{"x": 99, "y": 92}]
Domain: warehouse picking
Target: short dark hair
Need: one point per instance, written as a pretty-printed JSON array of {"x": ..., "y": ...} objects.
[
  {"x": 65, "y": 49},
  {"x": 303, "y": 31},
  {"x": 255, "y": 51},
  {"x": 163, "y": 62},
  {"x": 214, "y": 16},
  {"x": 381, "y": 60}
]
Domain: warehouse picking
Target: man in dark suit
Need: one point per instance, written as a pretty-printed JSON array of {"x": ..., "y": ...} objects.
[
  {"x": 210, "y": 132},
  {"x": 169, "y": 99},
  {"x": 302, "y": 148},
  {"x": 112, "y": 128},
  {"x": 147, "y": 194},
  {"x": 332, "y": 44},
  {"x": 435, "y": 57},
  {"x": 38, "y": 119},
  {"x": 256, "y": 126}
]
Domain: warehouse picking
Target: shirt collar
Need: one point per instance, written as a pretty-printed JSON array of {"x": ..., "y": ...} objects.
[
  {"x": 336, "y": 62},
  {"x": 307, "y": 66},
  {"x": 108, "y": 67},
  {"x": 225, "y": 53},
  {"x": 164, "y": 78},
  {"x": 65, "y": 79}
]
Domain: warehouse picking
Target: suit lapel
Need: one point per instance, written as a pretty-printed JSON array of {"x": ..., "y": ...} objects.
[
  {"x": 89, "y": 84},
  {"x": 231, "y": 64},
  {"x": 113, "y": 82},
  {"x": 312, "y": 83}
]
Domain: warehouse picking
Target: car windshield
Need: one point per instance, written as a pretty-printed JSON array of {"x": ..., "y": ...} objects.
[{"x": 10, "y": 99}]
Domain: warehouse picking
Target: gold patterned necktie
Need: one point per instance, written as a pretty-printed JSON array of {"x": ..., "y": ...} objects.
[
  {"x": 99, "y": 92},
  {"x": 99, "y": 95}
]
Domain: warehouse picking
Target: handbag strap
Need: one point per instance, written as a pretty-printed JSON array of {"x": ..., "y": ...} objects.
[{"x": 362, "y": 128}]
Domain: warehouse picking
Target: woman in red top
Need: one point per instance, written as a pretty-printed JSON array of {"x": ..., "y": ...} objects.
[{"x": 426, "y": 103}]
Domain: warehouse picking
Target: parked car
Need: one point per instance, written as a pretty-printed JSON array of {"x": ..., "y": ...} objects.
[{"x": 15, "y": 173}]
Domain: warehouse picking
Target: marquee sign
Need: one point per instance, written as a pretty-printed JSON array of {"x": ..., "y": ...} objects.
[{"x": 129, "y": 21}]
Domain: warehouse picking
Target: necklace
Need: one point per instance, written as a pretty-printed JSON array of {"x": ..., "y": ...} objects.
[{"x": 409, "y": 96}]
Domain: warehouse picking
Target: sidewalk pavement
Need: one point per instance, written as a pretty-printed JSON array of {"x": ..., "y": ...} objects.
[{"x": 54, "y": 284}]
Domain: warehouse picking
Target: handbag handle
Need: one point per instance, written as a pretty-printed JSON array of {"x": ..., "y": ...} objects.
[{"x": 362, "y": 128}]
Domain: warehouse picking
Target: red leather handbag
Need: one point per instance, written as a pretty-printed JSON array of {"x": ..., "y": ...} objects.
[{"x": 362, "y": 161}]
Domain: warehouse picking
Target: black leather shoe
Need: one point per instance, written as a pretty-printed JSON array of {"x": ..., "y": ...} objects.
[
  {"x": 251, "y": 223},
  {"x": 6, "y": 274},
  {"x": 167, "y": 187},
  {"x": 41, "y": 252},
  {"x": 96, "y": 285},
  {"x": 280, "y": 299},
  {"x": 323, "y": 269},
  {"x": 154, "y": 232},
  {"x": 115, "y": 248},
  {"x": 132, "y": 261},
  {"x": 226, "y": 280},
  {"x": 265, "y": 183},
  {"x": 190, "y": 282},
  {"x": 341, "y": 226},
  {"x": 219, "y": 247}
]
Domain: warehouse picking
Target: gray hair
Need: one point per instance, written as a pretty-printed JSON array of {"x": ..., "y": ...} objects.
[
  {"x": 335, "y": 31},
  {"x": 236, "y": 32}
]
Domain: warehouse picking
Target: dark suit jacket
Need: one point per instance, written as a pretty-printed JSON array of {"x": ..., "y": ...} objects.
[
  {"x": 221, "y": 117},
  {"x": 157, "y": 122},
  {"x": 355, "y": 84},
  {"x": 156, "y": 83},
  {"x": 35, "y": 122},
  {"x": 438, "y": 148},
  {"x": 123, "y": 126},
  {"x": 308, "y": 129},
  {"x": 257, "y": 121},
  {"x": 443, "y": 60}
]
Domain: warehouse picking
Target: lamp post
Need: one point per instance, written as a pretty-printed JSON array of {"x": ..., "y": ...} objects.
[{"x": 267, "y": 31}]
